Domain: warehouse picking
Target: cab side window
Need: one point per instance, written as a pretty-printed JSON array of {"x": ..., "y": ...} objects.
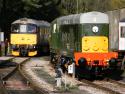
[{"x": 122, "y": 32}]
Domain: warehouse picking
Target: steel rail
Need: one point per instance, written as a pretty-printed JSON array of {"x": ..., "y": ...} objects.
[
  {"x": 14, "y": 70},
  {"x": 3, "y": 62},
  {"x": 6, "y": 77},
  {"x": 114, "y": 81},
  {"x": 99, "y": 87},
  {"x": 2, "y": 88},
  {"x": 32, "y": 84}
]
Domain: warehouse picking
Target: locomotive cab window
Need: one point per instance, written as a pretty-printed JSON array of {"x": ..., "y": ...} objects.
[
  {"x": 123, "y": 32},
  {"x": 31, "y": 28},
  {"x": 15, "y": 28},
  {"x": 24, "y": 28}
]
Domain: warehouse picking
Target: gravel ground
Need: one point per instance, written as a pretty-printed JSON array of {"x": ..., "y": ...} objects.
[
  {"x": 123, "y": 77},
  {"x": 42, "y": 73},
  {"x": 19, "y": 59},
  {"x": 112, "y": 86}
]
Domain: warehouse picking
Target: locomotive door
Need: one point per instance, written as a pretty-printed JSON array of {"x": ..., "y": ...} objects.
[{"x": 121, "y": 36}]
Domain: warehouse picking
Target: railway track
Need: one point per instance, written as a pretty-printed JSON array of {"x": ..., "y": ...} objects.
[
  {"x": 121, "y": 83},
  {"x": 33, "y": 80},
  {"x": 4, "y": 61},
  {"x": 13, "y": 82},
  {"x": 112, "y": 85},
  {"x": 108, "y": 85}
]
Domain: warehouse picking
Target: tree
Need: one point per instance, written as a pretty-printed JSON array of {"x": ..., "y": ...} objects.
[
  {"x": 78, "y": 6},
  {"x": 11, "y": 10},
  {"x": 72, "y": 6},
  {"x": 104, "y": 5},
  {"x": 41, "y": 9}
]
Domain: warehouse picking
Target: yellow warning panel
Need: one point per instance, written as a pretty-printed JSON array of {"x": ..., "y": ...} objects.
[{"x": 23, "y": 39}]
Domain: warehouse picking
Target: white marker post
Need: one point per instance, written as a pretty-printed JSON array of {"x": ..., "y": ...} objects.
[{"x": 71, "y": 69}]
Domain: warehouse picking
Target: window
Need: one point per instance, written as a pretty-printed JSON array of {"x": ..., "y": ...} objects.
[
  {"x": 15, "y": 28},
  {"x": 31, "y": 28},
  {"x": 24, "y": 28},
  {"x": 123, "y": 32},
  {"x": 54, "y": 28}
]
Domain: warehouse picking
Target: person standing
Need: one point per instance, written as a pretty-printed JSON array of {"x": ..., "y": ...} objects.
[{"x": 6, "y": 46}]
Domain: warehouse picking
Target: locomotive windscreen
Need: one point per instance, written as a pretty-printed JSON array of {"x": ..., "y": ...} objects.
[{"x": 23, "y": 28}]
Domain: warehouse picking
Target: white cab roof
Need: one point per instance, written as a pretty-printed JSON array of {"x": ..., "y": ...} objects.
[
  {"x": 89, "y": 17},
  {"x": 31, "y": 21}
]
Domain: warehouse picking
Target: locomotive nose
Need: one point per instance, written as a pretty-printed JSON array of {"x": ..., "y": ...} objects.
[
  {"x": 95, "y": 44},
  {"x": 95, "y": 47}
]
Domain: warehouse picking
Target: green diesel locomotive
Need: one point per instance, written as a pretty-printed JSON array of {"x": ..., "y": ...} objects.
[{"x": 83, "y": 39}]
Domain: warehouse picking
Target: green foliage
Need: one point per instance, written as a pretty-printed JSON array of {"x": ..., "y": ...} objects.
[
  {"x": 11, "y": 10},
  {"x": 72, "y": 6},
  {"x": 78, "y": 6}
]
